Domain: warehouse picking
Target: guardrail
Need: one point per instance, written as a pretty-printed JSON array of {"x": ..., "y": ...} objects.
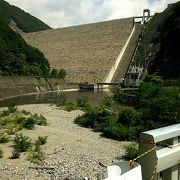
[{"x": 164, "y": 158}]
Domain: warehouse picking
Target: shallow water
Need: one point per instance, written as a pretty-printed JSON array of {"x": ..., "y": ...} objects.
[{"x": 55, "y": 97}]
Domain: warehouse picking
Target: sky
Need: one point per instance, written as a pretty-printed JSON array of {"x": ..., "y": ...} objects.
[{"x": 63, "y": 13}]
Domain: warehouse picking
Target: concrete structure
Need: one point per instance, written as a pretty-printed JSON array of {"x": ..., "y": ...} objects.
[
  {"x": 127, "y": 55},
  {"x": 133, "y": 76},
  {"x": 146, "y": 15},
  {"x": 14, "y": 86}
]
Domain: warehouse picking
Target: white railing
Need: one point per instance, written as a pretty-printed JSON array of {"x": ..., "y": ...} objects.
[
  {"x": 158, "y": 159},
  {"x": 164, "y": 160}
]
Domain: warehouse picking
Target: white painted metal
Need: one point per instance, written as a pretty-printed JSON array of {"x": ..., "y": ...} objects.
[
  {"x": 122, "y": 171},
  {"x": 168, "y": 157}
]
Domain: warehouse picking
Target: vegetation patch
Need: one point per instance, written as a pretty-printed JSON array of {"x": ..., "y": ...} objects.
[
  {"x": 19, "y": 58},
  {"x": 81, "y": 104},
  {"x": 1, "y": 153},
  {"x": 4, "y": 138},
  {"x": 131, "y": 151},
  {"x": 41, "y": 140},
  {"x": 156, "y": 106},
  {"x": 23, "y": 20},
  {"x": 35, "y": 154},
  {"x": 22, "y": 143},
  {"x": 12, "y": 121}
]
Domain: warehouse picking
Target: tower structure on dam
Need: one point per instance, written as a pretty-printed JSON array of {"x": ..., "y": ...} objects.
[{"x": 146, "y": 15}]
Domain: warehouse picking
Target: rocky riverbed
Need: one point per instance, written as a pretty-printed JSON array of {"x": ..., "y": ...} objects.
[{"x": 72, "y": 152}]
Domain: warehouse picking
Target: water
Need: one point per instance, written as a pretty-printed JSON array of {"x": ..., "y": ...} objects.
[{"x": 54, "y": 97}]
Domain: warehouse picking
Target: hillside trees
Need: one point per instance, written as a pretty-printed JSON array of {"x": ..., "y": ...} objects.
[
  {"x": 158, "y": 104},
  {"x": 160, "y": 43},
  {"x": 24, "y": 21},
  {"x": 19, "y": 58},
  {"x": 61, "y": 73}
]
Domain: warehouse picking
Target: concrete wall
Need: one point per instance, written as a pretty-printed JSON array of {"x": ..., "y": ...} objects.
[
  {"x": 14, "y": 86},
  {"x": 117, "y": 61}
]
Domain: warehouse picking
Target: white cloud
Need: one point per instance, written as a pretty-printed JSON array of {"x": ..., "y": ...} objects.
[{"x": 60, "y": 13}]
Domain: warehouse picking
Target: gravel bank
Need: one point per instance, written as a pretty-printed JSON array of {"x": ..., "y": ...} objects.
[{"x": 71, "y": 153}]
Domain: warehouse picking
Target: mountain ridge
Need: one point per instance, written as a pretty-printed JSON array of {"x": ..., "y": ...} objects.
[{"x": 26, "y": 22}]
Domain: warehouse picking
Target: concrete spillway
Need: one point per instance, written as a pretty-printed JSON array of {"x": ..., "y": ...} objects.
[{"x": 127, "y": 55}]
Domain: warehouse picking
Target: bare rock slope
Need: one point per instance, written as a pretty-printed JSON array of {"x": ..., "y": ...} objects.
[{"x": 86, "y": 52}]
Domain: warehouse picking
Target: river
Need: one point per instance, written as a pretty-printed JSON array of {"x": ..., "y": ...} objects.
[{"x": 55, "y": 97}]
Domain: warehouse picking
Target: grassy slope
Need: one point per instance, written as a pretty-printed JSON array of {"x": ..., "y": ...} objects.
[{"x": 24, "y": 21}]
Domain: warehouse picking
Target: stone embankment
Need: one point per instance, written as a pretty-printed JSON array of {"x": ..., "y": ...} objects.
[
  {"x": 86, "y": 52},
  {"x": 71, "y": 152},
  {"x": 14, "y": 86}
]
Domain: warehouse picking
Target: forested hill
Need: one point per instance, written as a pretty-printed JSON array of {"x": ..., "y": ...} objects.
[
  {"x": 24, "y": 21},
  {"x": 19, "y": 58},
  {"x": 162, "y": 43}
]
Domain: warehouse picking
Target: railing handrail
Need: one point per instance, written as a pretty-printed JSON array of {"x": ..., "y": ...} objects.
[
  {"x": 163, "y": 133},
  {"x": 165, "y": 159}
]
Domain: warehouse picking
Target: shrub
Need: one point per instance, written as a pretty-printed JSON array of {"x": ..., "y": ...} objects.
[
  {"x": 29, "y": 123},
  {"x": 19, "y": 119},
  {"x": 87, "y": 119},
  {"x": 4, "y": 113},
  {"x": 1, "y": 153},
  {"x": 82, "y": 102},
  {"x": 12, "y": 108},
  {"x": 70, "y": 107},
  {"x": 12, "y": 130},
  {"x": 40, "y": 119},
  {"x": 119, "y": 132},
  {"x": 131, "y": 151},
  {"x": 129, "y": 118},
  {"x": 96, "y": 118},
  {"x": 25, "y": 112},
  {"x": 120, "y": 96},
  {"x": 62, "y": 73},
  {"x": 107, "y": 101},
  {"x": 41, "y": 140},
  {"x": 35, "y": 154},
  {"x": 4, "y": 138},
  {"x": 25, "y": 122},
  {"x": 15, "y": 154},
  {"x": 22, "y": 143}
]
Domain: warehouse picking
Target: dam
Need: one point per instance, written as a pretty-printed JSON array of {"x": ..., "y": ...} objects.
[{"x": 89, "y": 52}]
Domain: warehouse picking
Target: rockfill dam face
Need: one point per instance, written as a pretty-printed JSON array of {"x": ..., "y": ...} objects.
[{"x": 86, "y": 52}]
